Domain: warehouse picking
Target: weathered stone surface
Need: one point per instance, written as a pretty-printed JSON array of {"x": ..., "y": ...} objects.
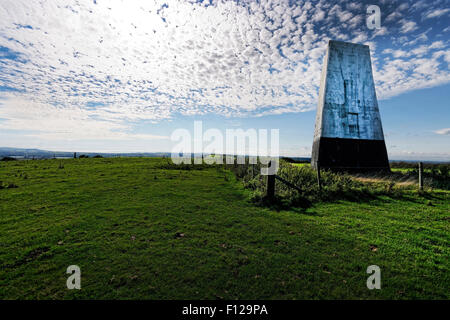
[{"x": 348, "y": 109}]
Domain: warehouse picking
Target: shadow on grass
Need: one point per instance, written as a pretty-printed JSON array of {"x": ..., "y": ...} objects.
[{"x": 300, "y": 203}]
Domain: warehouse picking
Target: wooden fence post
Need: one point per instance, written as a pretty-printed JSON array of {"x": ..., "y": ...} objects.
[
  {"x": 318, "y": 176},
  {"x": 270, "y": 185},
  {"x": 420, "y": 176}
]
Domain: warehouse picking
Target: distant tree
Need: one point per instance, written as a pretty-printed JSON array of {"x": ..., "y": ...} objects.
[
  {"x": 8, "y": 159},
  {"x": 444, "y": 170}
]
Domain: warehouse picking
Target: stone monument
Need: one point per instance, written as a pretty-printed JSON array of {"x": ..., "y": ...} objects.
[{"x": 348, "y": 133}]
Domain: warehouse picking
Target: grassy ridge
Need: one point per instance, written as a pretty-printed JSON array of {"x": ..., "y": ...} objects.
[{"x": 139, "y": 228}]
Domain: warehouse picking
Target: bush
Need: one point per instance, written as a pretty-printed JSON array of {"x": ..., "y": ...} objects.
[
  {"x": 444, "y": 170},
  {"x": 8, "y": 159},
  {"x": 334, "y": 185}
]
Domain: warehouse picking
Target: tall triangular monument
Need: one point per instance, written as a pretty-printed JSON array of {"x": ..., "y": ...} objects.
[{"x": 348, "y": 133}]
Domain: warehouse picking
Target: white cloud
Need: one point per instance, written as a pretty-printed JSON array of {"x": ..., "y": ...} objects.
[
  {"x": 95, "y": 69},
  {"x": 68, "y": 123},
  {"x": 436, "y": 13},
  {"x": 393, "y": 16},
  {"x": 445, "y": 131},
  {"x": 408, "y": 26},
  {"x": 420, "y": 38}
]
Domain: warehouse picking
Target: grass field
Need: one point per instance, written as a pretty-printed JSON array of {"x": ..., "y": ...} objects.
[{"x": 141, "y": 230}]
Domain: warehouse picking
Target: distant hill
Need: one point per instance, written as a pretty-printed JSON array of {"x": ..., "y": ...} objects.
[
  {"x": 20, "y": 153},
  {"x": 45, "y": 154}
]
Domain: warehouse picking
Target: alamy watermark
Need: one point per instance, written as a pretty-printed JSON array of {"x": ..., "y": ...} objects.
[
  {"x": 74, "y": 280},
  {"x": 374, "y": 280},
  {"x": 373, "y": 20},
  {"x": 211, "y": 146}
]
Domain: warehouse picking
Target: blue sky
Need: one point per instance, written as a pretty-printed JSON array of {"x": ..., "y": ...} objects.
[{"x": 122, "y": 75}]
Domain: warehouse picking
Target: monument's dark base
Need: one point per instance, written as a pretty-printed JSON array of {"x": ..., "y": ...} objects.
[{"x": 350, "y": 154}]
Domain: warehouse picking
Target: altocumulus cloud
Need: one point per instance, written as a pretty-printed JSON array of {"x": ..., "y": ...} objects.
[{"x": 93, "y": 68}]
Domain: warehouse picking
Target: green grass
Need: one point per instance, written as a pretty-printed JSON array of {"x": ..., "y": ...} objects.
[
  {"x": 406, "y": 170},
  {"x": 303, "y": 164},
  {"x": 120, "y": 220},
  {"x": 402, "y": 170}
]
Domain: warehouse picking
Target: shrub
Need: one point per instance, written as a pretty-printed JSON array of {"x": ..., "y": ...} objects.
[
  {"x": 334, "y": 185},
  {"x": 444, "y": 170}
]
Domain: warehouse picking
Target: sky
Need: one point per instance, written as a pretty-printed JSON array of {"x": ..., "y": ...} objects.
[{"x": 121, "y": 76}]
